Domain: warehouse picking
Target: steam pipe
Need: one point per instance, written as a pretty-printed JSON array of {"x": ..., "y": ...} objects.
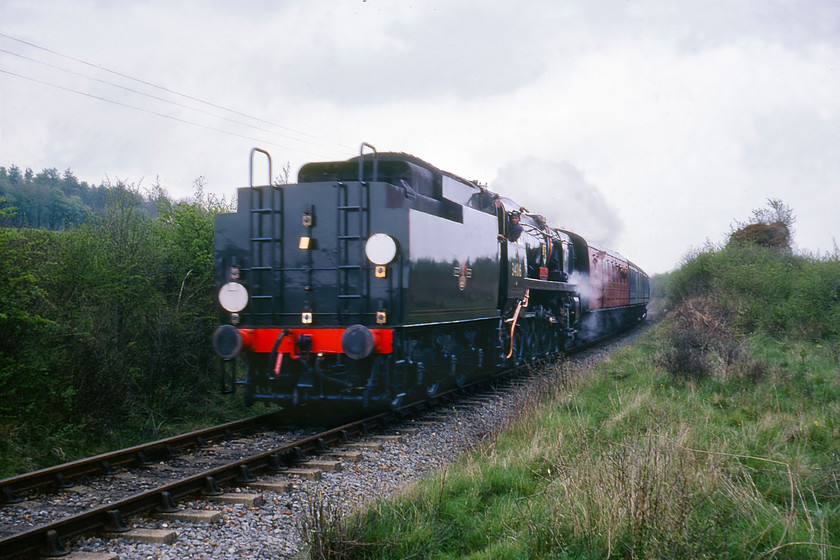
[{"x": 521, "y": 304}]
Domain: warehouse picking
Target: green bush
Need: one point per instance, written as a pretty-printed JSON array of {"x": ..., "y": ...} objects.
[
  {"x": 106, "y": 329},
  {"x": 760, "y": 288}
]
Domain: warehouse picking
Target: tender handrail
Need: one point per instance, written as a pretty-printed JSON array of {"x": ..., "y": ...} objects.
[
  {"x": 362, "y": 162},
  {"x": 251, "y": 166}
]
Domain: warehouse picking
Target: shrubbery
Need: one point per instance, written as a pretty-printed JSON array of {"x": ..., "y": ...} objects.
[
  {"x": 106, "y": 328},
  {"x": 759, "y": 288},
  {"x": 752, "y": 284},
  {"x": 759, "y": 284}
]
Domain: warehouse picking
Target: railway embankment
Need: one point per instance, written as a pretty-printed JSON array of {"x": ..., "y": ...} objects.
[{"x": 715, "y": 434}]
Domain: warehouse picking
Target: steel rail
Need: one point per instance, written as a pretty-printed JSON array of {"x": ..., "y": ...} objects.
[
  {"x": 45, "y": 537},
  {"x": 59, "y": 476}
]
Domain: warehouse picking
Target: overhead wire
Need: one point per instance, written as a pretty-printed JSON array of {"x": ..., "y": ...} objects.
[
  {"x": 120, "y": 103},
  {"x": 144, "y": 94},
  {"x": 319, "y": 142},
  {"x": 162, "y": 88}
]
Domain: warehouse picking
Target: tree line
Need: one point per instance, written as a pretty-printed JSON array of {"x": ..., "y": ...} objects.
[
  {"x": 56, "y": 201},
  {"x": 106, "y": 312}
]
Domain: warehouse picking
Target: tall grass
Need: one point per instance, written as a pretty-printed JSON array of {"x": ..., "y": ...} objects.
[
  {"x": 629, "y": 461},
  {"x": 715, "y": 436}
]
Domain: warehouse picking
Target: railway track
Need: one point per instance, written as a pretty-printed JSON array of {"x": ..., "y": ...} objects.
[
  {"x": 118, "y": 485},
  {"x": 65, "y": 475},
  {"x": 193, "y": 469}
]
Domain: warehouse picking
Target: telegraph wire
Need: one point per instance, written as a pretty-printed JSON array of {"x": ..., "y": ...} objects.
[
  {"x": 159, "y": 87},
  {"x": 71, "y": 72},
  {"x": 166, "y": 90},
  {"x": 154, "y": 112}
]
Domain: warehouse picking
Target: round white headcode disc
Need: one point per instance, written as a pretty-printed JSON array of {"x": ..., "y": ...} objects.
[
  {"x": 233, "y": 297},
  {"x": 381, "y": 248}
]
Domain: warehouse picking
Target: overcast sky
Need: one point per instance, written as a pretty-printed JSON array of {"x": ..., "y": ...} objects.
[{"x": 647, "y": 126}]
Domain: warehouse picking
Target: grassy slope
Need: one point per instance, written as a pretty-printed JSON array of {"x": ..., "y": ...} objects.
[{"x": 711, "y": 437}]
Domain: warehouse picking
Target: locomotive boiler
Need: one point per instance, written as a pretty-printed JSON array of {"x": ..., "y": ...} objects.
[{"x": 382, "y": 279}]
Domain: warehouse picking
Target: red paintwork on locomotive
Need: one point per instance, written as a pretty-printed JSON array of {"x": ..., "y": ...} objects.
[{"x": 327, "y": 341}]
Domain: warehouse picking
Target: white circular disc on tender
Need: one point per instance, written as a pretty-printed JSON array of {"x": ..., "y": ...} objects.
[
  {"x": 381, "y": 248},
  {"x": 233, "y": 297}
]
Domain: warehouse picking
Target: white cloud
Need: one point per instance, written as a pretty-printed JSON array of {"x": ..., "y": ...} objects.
[{"x": 682, "y": 117}]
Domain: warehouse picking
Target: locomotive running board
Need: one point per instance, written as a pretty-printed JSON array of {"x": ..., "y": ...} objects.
[{"x": 548, "y": 285}]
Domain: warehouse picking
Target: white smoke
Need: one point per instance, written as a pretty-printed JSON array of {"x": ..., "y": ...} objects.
[
  {"x": 559, "y": 191},
  {"x": 583, "y": 286}
]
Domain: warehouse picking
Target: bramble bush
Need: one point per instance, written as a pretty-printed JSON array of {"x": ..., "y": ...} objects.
[
  {"x": 106, "y": 328},
  {"x": 753, "y": 285},
  {"x": 761, "y": 289}
]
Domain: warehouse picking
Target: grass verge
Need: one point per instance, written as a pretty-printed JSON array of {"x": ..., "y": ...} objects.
[{"x": 636, "y": 459}]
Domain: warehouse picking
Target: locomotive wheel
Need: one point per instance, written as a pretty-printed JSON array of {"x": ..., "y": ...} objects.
[
  {"x": 379, "y": 380},
  {"x": 397, "y": 401},
  {"x": 502, "y": 344},
  {"x": 457, "y": 376},
  {"x": 519, "y": 344},
  {"x": 557, "y": 339},
  {"x": 433, "y": 389},
  {"x": 381, "y": 387},
  {"x": 538, "y": 345},
  {"x": 545, "y": 342},
  {"x": 530, "y": 341}
]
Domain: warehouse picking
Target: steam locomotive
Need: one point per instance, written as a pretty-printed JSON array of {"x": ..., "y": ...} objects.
[{"x": 382, "y": 279}]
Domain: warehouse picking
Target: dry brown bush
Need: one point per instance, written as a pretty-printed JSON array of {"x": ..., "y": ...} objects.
[
  {"x": 775, "y": 235},
  {"x": 700, "y": 344}
]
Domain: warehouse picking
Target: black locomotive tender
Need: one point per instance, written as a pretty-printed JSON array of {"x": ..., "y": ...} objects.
[{"x": 382, "y": 279}]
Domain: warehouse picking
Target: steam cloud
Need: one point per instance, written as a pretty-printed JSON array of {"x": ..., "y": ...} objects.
[{"x": 559, "y": 191}]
